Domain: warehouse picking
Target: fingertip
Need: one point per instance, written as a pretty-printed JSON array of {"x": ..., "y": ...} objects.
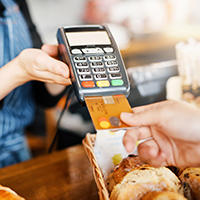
[
  {"x": 147, "y": 152},
  {"x": 126, "y": 115},
  {"x": 158, "y": 160},
  {"x": 161, "y": 157},
  {"x": 127, "y": 118},
  {"x": 52, "y": 50},
  {"x": 152, "y": 155},
  {"x": 45, "y": 47},
  {"x": 129, "y": 142},
  {"x": 129, "y": 147},
  {"x": 153, "y": 152},
  {"x": 62, "y": 72}
]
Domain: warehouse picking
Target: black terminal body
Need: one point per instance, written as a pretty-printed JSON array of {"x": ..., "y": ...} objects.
[{"x": 95, "y": 62}]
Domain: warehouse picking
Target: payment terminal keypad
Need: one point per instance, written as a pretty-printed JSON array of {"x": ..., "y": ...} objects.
[{"x": 100, "y": 70}]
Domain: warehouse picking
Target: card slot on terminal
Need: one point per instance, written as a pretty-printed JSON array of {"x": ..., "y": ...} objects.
[{"x": 105, "y": 111}]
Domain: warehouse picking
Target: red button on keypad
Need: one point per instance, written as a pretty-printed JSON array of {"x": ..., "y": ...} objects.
[{"x": 88, "y": 84}]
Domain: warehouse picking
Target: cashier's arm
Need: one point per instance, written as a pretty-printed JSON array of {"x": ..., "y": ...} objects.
[
  {"x": 35, "y": 64},
  {"x": 175, "y": 128}
]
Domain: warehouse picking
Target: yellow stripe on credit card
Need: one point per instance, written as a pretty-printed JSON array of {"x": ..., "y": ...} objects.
[{"x": 105, "y": 111}]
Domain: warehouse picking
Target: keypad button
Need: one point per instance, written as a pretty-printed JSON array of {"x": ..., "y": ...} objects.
[
  {"x": 108, "y": 49},
  {"x": 76, "y": 51},
  {"x": 103, "y": 83},
  {"x": 86, "y": 77},
  {"x": 88, "y": 84},
  {"x": 111, "y": 63},
  {"x": 115, "y": 75},
  {"x": 80, "y": 59},
  {"x": 95, "y": 58},
  {"x": 99, "y": 70},
  {"x": 92, "y": 50},
  {"x": 82, "y": 65},
  {"x": 109, "y": 57},
  {"x": 83, "y": 71},
  {"x": 113, "y": 69},
  {"x": 117, "y": 82},
  {"x": 99, "y": 50},
  {"x": 96, "y": 64},
  {"x": 88, "y": 50},
  {"x": 100, "y": 76}
]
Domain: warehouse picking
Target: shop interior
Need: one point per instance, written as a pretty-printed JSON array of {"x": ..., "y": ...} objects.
[{"x": 147, "y": 33}]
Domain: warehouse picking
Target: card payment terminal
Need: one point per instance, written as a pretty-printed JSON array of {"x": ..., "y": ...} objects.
[{"x": 95, "y": 63}]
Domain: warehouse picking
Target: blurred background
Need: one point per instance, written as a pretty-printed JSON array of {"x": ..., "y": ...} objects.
[{"x": 146, "y": 32}]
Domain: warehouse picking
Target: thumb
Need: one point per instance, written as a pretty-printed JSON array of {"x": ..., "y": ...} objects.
[
  {"x": 52, "y": 50},
  {"x": 144, "y": 118}
]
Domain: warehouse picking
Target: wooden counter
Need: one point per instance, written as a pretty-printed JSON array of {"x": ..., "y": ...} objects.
[{"x": 65, "y": 174}]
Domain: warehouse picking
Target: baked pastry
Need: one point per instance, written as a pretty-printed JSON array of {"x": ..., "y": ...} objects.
[
  {"x": 126, "y": 165},
  {"x": 110, "y": 183},
  {"x": 176, "y": 170},
  {"x": 8, "y": 194},
  {"x": 163, "y": 195},
  {"x": 120, "y": 170},
  {"x": 190, "y": 180},
  {"x": 144, "y": 179}
]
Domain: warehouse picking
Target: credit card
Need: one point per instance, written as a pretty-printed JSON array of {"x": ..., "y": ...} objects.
[{"x": 105, "y": 111}]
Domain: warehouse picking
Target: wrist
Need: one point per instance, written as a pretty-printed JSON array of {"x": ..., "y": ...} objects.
[
  {"x": 11, "y": 76},
  {"x": 18, "y": 72}
]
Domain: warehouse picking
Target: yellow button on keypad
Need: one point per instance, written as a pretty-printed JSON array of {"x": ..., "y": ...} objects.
[{"x": 103, "y": 83}]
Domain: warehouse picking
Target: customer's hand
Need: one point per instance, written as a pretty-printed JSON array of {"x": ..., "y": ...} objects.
[{"x": 175, "y": 128}]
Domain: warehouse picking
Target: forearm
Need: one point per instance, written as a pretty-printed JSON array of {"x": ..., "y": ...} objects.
[{"x": 11, "y": 76}]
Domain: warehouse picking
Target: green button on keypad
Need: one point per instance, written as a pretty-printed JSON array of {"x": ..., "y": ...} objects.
[{"x": 117, "y": 82}]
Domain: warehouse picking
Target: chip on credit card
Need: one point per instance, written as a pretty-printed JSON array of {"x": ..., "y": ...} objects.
[{"x": 105, "y": 111}]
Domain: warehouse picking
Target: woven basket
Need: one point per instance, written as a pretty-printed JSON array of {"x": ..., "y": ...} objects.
[{"x": 88, "y": 143}]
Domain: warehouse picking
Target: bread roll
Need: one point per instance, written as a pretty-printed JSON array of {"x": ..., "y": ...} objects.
[
  {"x": 110, "y": 183},
  {"x": 126, "y": 165},
  {"x": 144, "y": 179},
  {"x": 163, "y": 195},
  {"x": 8, "y": 194},
  {"x": 190, "y": 180},
  {"x": 177, "y": 170},
  {"x": 120, "y": 170}
]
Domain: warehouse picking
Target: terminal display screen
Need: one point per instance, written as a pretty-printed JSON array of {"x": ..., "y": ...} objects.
[{"x": 88, "y": 38}]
